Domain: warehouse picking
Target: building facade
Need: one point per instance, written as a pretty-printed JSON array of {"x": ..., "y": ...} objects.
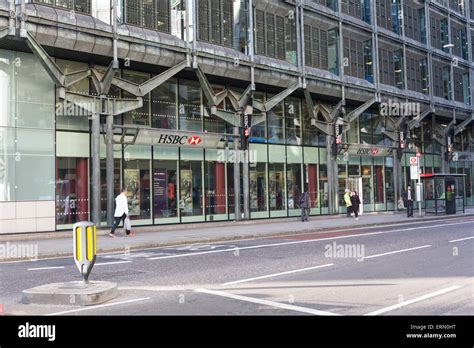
[{"x": 341, "y": 94}]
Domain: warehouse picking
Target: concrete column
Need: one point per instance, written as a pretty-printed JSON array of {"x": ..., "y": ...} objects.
[
  {"x": 246, "y": 188},
  {"x": 236, "y": 176},
  {"x": 95, "y": 154},
  {"x": 332, "y": 177},
  {"x": 110, "y": 168}
]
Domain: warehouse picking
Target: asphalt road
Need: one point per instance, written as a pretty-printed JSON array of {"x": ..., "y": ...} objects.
[{"x": 418, "y": 268}]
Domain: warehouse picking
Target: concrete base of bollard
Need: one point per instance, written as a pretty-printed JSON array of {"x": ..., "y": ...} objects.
[{"x": 71, "y": 293}]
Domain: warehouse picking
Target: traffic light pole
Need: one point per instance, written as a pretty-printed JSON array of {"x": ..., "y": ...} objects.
[{"x": 236, "y": 177}]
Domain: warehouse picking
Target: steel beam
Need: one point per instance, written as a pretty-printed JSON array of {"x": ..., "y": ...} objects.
[
  {"x": 146, "y": 87},
  {"x": 460, "y": 127},
  {"x": 75, "y": 77},
  {"x": 351, "y": 116},
  {"x": 275, "y": 100},
  {"x": 412, "y": 124}
]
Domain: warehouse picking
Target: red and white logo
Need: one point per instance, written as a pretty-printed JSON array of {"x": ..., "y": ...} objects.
[
  {"x": 194, "y": 140},
  {"x": 375, "y": 152}
]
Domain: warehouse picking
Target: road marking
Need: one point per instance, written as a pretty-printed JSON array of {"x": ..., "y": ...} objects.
[
  {"x": 100, "y": 306},
  {"x": 111, "y": 263},
  {"x": 265, "y": 302},
  {"x": 300, "y": 241},
  {"x": 458, "y": 240},
  {"x": 44, "y": 268},
  {"x": 397, "y": 251},
  {"x": 278, "y": 274},
  {"x": 421, "y": 298}
]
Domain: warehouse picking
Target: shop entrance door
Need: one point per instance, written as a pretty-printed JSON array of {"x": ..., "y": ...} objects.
[{"x": 355, "y": 184}]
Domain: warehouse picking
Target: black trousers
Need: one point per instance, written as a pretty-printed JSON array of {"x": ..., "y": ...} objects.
[
  {"x": 117, "y": 222},
  {"x": 349, "y": 211},
  {"x": 355, "y": 208},
  {"x": 409, "y": 208}
]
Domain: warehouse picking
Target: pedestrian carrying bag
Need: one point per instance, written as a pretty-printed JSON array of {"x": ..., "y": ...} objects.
[{"x": 126, "y": 224}]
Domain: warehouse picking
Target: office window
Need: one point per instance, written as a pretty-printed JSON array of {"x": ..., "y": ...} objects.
[
  {"x": 332, "y": 4},
  {"x": 439, "y": 33},
  {"x": 83, "y": 6},
  {"x": 152, "y": 14},
  {"x": 275, "y": 36},
  {"x": 391, "y": 67},
  {"x": 462, "y": 90},
  {"x": 417, "y": 73},
  {"x": 333, "y": 51},
  {"x": 414, "y": 22},
  {"x": 357, "y": 8},
  {"x": 388, "y": 14},
  {"x": 316, "y": 48},
  {"x": 358, "y": 57},
  {"x": 459, "y": 40}
]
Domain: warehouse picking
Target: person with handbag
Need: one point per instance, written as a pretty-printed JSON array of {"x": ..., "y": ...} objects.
[{"x": 121, "y": 214}]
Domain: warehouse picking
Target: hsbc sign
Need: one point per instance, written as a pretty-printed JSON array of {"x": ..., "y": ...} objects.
[
  {"x": 173, "y": 139},
  {"x": 177, "y": 138},
  {"x": 369, "y": 150}
]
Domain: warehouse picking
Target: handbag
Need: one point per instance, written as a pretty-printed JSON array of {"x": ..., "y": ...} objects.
[{"x": 127, "y": 224}]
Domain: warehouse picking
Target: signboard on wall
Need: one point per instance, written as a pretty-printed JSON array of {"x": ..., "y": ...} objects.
[
  {"x": 369, "y": 150},
  {"x": 160, "y": 193},
  {"x": 186, "y": 179},
  {"x": 178, "y": 138},
  {"x": 132, "y": 183}
]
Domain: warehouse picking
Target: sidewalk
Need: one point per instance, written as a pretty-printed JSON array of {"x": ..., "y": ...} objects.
[{"x": 56, "y": 244}]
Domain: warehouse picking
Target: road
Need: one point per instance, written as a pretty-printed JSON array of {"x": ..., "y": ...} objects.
[{"x": 418, "y": 268}]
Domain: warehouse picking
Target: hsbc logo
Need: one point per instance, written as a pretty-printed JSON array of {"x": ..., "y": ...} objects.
[
  {"x": 172, "y": 139},
  {"x": 194, "y": 140},
  {"x": 375, "y": 152}
]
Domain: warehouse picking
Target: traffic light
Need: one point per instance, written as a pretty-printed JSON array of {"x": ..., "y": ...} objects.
[
  {"x": 450, "y": 140},
  {"x": 402, "y": 140}
]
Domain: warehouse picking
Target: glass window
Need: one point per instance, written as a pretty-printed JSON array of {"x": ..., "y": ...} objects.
[
  {"x": 136, "y": 178},
  {"x": 258, "y": 188},
  {"x": 189, "y": 109},
  {"x": 190, "y": 198},
  {"x": 293, "y": 121},
  {"x": 140, "y": 116},
  {"x": 294, "y": 185},
  {"x": 276, "y": 186},
  {"x": 153, "y": 14},
  {"x": 333, "y": 51},
  {"x": 83, "y": 6},
  {"x": 323, "y": 186},
  {"x": 165, "y": 186},
  {"x": 215, "y": 188},
  {"x": 163, "y": 105},
  {"x": 72, "y": 190}
]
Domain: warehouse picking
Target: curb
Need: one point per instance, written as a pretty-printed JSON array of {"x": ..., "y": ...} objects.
[{"x": 151, "y": 245}]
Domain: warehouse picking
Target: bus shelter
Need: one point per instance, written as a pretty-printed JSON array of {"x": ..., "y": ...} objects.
[{"x": 443, "y": 193}]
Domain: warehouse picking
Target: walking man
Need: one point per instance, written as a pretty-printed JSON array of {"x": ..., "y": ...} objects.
[
  {"x": 347, "y": 200},
  {"x": 304, "y": 204},
  {"x": 408, "y": 198},
  {"x": 355, "y": 200},
  {"x": 121, "y": 212}
]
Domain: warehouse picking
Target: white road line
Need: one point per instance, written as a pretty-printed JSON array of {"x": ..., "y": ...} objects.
[
  {"x": 278, "y": 274},
  {"x": 301, "y": 241},
  {"x": 458, "y": 240},
  {"x": 265, "y": 302},
  {"x": 397, "y": 251},
  {"x": 111, "y": 263},
  {"x": 44, "y": 268},
  {"x": 421, "y": 298},
  {"x": 100, "y": 306}
]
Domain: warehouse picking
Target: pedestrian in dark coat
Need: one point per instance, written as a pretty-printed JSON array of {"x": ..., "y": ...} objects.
[
  {"x": 355, "y": 200},
  {"x": 304, "y": 205}
]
